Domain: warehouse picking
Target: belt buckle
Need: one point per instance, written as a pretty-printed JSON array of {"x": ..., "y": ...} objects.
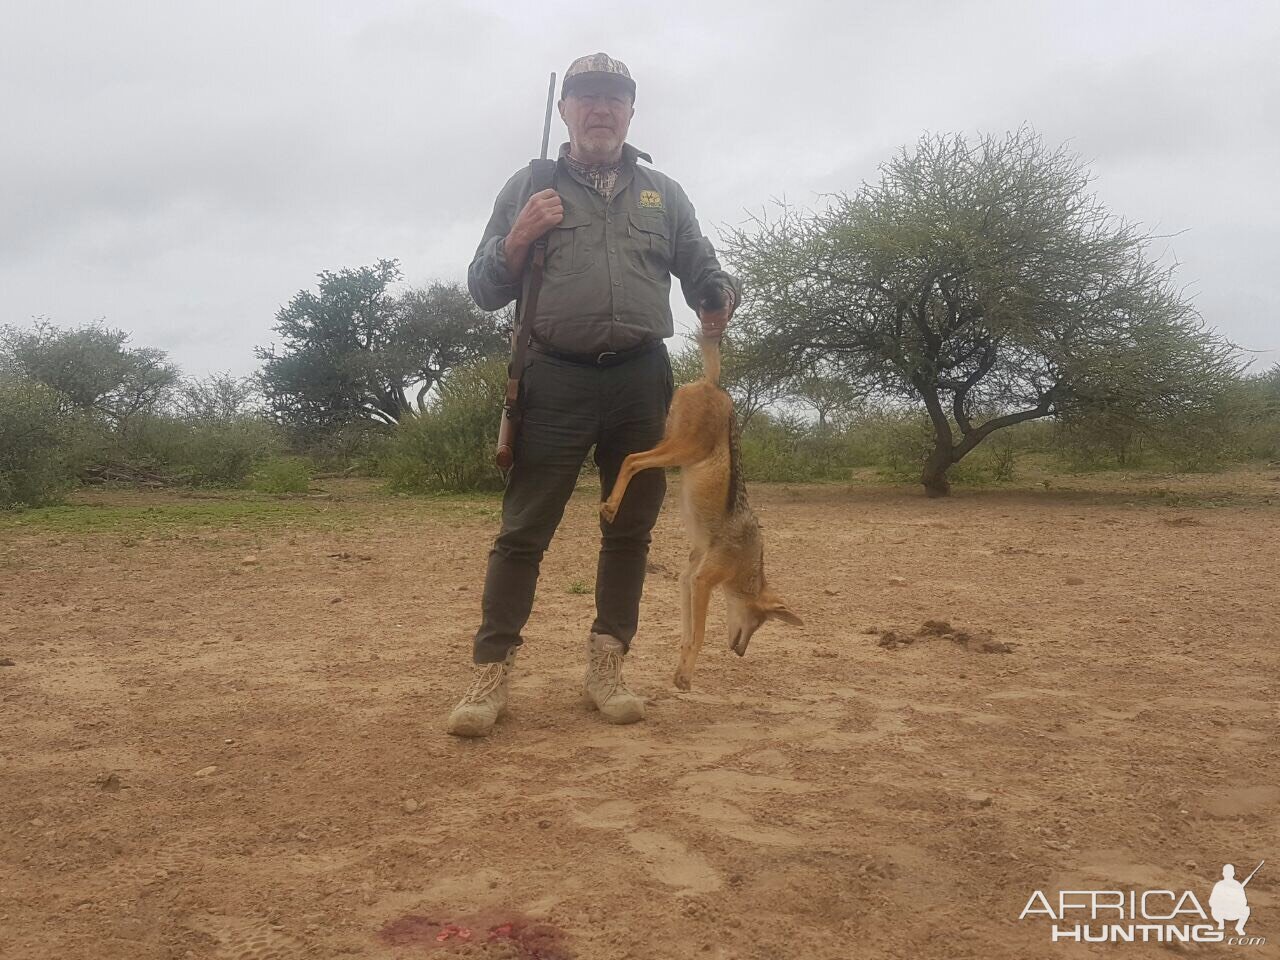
[{"x": 608, "y": 353}]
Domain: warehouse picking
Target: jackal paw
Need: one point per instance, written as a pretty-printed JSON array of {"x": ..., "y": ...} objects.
[
  {"x": 608, "y": 512},
  {"x": 682, "y": 680}
]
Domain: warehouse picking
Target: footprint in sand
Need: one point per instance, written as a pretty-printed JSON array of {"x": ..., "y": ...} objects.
[
  {"x": 241, "y": 938},
  {"x": 184, "y": 857},
  {"x": 610, "y": 815},
  {"x": 667, "y": 859},
  {"x": 672, "y": 863},
  {"x": 732, "y": 821}
]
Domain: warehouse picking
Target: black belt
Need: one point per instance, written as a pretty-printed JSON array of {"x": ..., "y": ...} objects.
[{"x": 609, "y": 358}]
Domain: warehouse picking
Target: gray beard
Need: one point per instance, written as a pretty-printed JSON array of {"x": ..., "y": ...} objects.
[{"x": 592, "y": 149}]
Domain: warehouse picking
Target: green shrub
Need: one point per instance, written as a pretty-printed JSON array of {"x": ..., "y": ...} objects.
[
  {"x": 215, "y": 453},
  {"x": 283, "y": 475},
  {"x": 351, "y": 448},
  {"x": 896, "y": 441},
  {"x": 449, "y": 447},
  {"x": 1239, "y": 422},
  {"x": 1257, "y": 417},
  {"x": 1262, "y": 439},
  {"x": 789, "y": 449},
  {"x": 783, "y": 449},
  {"x": 1003, "y": 458},
  {"x": 226, "y": 453},
  {"x": 39, "y": 445}
]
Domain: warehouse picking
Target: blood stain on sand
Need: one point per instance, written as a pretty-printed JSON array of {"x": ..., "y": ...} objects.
[{"x": 528, "y": 940}]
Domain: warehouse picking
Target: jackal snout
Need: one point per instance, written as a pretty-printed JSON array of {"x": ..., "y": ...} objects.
[{"x": 746, "y": 615}]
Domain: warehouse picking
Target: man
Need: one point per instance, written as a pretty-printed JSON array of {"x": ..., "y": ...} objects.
[
  {"x": 597, "y": 374},
  {"x": 1228, "y": 900}
]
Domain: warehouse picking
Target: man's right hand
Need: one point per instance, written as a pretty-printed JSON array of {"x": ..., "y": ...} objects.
[{"x": 543, "y": 211}]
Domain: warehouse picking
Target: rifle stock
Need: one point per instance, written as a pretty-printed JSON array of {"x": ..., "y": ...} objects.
[{"x": 506, "y": 453}]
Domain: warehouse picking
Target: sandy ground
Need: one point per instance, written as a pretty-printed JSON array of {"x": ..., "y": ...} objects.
[{"x": 224, "y": 740}]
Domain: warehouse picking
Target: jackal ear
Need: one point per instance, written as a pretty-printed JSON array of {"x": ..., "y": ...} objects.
[{"x": 780, "y": 611}]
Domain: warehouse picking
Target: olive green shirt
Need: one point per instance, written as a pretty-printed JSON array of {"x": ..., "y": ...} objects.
[{"x": 607, "y": 281}]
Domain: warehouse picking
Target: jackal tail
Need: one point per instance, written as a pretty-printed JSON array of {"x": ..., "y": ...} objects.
[{"x": 710, "y": 347}]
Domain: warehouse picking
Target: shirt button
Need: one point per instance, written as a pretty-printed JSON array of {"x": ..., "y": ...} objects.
[
  {"x": 617, "y": 283},
  {"x": 612, "y": 250}
]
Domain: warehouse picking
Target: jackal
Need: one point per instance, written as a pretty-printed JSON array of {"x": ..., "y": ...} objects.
[{"x": 702, "y": 439}]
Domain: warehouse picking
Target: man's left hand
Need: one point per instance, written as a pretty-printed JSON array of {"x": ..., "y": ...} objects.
[{"x": 715, "y": 321}]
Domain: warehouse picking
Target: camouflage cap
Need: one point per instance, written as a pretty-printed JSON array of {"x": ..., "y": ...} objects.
[{"x": 597, "y": 65}]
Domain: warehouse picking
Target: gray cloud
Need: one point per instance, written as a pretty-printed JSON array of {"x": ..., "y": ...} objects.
[{"x": 181, "y": 170}]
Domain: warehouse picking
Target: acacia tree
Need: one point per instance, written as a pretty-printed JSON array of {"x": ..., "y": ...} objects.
[
  {"x": 826, "y": 392},
  {"x": 218, "y": 397},
  {"x": 440, "y": 329},
  {"x": 1265, "y": 420},
  {"x": 983, "y": 281},
  {"x": 353, "y": 350},
  {"x": 91, "y": 368}
]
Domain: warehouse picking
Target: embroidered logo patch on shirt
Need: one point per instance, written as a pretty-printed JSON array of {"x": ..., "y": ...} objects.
[{"x": 651, "y": 199}]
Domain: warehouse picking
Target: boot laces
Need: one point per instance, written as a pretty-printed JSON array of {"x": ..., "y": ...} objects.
[
  {"x": 606, "y": 670},
  {"x": 486, "y": 682}
]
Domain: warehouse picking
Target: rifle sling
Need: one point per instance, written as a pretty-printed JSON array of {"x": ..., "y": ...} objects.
[
  {"x": 542, "y": 176},
  {"x": 524, "y": 327}
]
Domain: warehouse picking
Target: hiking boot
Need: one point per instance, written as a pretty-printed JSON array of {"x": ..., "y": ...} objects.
[
  {"x": 604, "y": 686},
  {"x": 485, "y": 700}
]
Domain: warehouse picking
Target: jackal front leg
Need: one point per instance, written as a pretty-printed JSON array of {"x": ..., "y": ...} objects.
[
  {"x": 701, "y": 583},
  {"x": 686, "y": 597}
]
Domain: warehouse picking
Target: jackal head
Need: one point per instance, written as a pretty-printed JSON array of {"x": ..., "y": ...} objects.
[{"x": 747, "y": 614}]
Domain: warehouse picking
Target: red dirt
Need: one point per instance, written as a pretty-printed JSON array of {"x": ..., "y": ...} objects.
[{"x": 226, "y": 742}]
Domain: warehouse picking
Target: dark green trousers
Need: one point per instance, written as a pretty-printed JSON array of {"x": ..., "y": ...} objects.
[{"x": 568, "y": 409}]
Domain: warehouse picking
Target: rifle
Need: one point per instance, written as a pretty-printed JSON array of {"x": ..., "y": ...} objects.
[
  {"x": 1250, "y": 876},
  {"x": 541, "y": 176}
]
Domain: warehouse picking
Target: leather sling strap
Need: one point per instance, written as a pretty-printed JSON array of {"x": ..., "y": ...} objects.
[{"x": 542, "y": 176}]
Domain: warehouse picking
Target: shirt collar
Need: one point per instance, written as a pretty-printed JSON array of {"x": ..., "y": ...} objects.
[{"x": 630, "y": 154}]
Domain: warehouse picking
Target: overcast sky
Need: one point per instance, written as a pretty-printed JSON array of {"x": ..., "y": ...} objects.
[{"x": 181, "y": 169}]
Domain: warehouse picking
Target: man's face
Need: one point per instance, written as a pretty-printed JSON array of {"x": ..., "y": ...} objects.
[{"x": 598, "y": 114}]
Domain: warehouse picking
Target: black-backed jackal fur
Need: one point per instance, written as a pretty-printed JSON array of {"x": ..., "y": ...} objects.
[{"x": 728, "y": 551}]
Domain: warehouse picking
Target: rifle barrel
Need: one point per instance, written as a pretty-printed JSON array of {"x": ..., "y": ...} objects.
[{"x": 546, "y": 126}]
